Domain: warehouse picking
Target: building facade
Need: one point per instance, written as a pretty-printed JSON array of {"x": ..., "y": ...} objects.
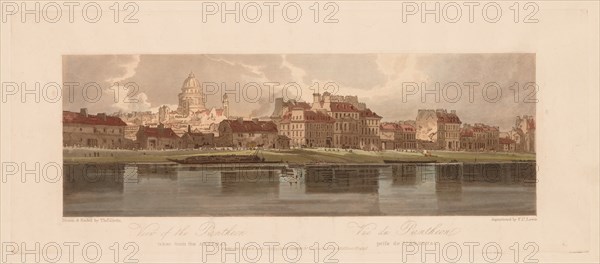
[
  {"x": 159, "y": 137},
  {"x": 507, "y": 144},
  {"x": 191, "y": 98},
  {"x": 395, "y": 136},
  {"x": 97, "y": 131},
  {"x": 369, "y": 130},
  {"x": 388, "y": 136},
  {"x": 407, "y": 136},
  {"x": 307, "y": 128},
  {"x": 524, "y": 134},
  {"x": 440, "y": 127},
  {"x": 195, "y": 140},
  {"x": 241, "y": 133},
  {"x": 191, "y": 111},
  {"x": 480, "y": 137}
]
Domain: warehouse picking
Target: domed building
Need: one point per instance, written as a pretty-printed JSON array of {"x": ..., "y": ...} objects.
[
  {"x": 192, "y": 112},
  {"x": 191, "y": 98}
]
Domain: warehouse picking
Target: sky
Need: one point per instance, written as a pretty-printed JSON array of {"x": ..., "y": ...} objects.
[{"x": 494, "y": 88}]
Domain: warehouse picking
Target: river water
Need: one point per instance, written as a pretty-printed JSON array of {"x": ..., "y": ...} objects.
[{"x": 281, "y": 190}]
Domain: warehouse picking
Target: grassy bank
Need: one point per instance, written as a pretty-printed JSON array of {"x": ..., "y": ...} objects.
[{"x": 298, "y": 156}]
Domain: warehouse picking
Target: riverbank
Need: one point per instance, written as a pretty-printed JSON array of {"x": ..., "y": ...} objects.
[{"x": 295, "y": 156}]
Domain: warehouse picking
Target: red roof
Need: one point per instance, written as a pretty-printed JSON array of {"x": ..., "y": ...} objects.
[
  {"x": 99, "y": 120},
  {"x": 368, "y": 113},
  {"x": 406, "y": 128},
  {"x": 310, "y": 117},
  {"x": 316, "y": 117},
  {"x": 450, "y": 118},
  {"x": 388, "y": 126},
  {"x": 477, "y": 129},
  {"x": 251, "y": 126},
  {"x": 484, "y": 128},
  {"x": 342, "y": 107},
  {"x": 158, "y": 132},
  {"x": 396, "y": 127},
  {"x": 506, "y": 141}
]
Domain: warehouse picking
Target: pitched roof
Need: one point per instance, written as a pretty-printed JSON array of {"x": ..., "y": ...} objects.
[
  {"x": 406, "y": 128},
  {"x": 309, "y": 117},
  {"x": 388, "y": 126},
  {"x": 506, "y": 141},
  {"x": 100, "y": 120},
  {"x": 342, "y": 107},
  {"x": 293, "y": 104},
  {"x": 246, "y": 126},
  {"x": 317, "y": 117},
  {"x": 397, "y": 127},
  {"x": 445, "y": 117},
  {"x": 158, "y": 132},
  {"x": 368, "y": 113}
]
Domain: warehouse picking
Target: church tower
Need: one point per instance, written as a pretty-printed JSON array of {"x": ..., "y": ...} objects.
[
  {"x": 191, "y": 98},
  {"x": 225, "y": 106}
]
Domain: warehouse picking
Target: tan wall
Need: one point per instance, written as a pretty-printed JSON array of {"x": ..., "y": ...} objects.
[{"x": 94, "y": 136}]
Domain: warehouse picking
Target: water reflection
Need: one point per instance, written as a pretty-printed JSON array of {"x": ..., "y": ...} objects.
[
  {"x": 396, "y": 189},
  {"x": 336, "y": 179},
  {"x": 250, "y": 181}
]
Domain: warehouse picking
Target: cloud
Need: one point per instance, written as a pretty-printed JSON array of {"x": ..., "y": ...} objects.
[
  {"x": 354, "y": 71},
  {"x": 136, "y": 103},
  {"x": 376, "y": 78},
  {"x": 129, "y": 70}
]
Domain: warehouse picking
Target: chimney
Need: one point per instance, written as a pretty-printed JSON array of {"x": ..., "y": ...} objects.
[
  {"x": 255, "y": 120},
  {"x": 83, "y": 112},
  {"x": 102, "y": 116},
  {"x": 240, "y": 119},
  {"x": 327, "y": 98},
  {"x": 316, "y": 97}
]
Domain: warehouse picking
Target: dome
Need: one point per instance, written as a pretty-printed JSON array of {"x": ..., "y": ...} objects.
[{"x": 191, "y": 81}]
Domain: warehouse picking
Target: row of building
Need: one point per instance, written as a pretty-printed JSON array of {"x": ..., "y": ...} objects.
[
  {"x": 329, "y": 121},
  {"x": 299, "y": 126}
]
